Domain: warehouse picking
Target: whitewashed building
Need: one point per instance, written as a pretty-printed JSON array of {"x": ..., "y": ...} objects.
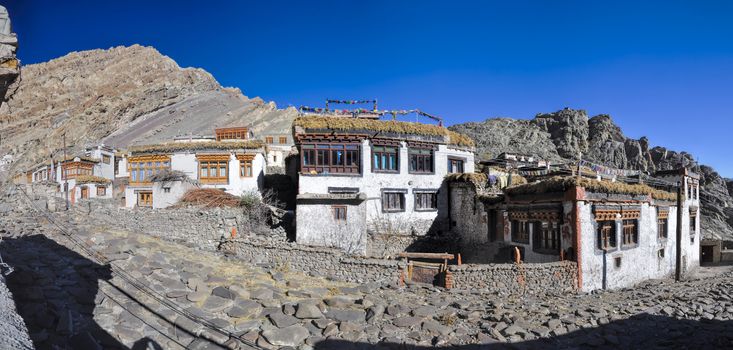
[
  {"x": 278, "y": 147},
  {"x": 617, "y": 234},
  {"x": 85, "y": 176},
  {"x": 363, "y": 176},
  {"x": 230, "y": 162}
]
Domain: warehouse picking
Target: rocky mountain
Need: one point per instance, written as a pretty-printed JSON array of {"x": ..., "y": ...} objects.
[
  {"x": 121, "y": 96},
  {"x": 9, "y": 65},
  {"x": 568, "y": 133}
]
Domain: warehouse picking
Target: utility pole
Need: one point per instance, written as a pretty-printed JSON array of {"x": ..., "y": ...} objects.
[
  {"x": 678, "y": 261},
  {"x": 63, "y": 176}
]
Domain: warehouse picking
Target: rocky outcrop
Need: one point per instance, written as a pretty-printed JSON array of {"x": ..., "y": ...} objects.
[
  {"x": 568, "y": 130},
  {"x": 9, "y": 64},
  {"x": 568, "y": 133},
  {"x": 121, "y": 96},
  {"x": 509, "y": 135}
]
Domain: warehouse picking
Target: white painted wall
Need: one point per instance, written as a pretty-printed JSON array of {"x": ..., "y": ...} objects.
[
  {"x": 236, "y": 185},
  {"x": 317, "y": 226},
  {"x": 163, "y": 199},
  {"x": 638, "y": 263},
  {"x": 370, "y": 183}
]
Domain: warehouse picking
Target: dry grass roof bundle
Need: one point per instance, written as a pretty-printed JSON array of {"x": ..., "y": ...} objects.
[
  {"x": 393, "y": 126},
  {"x": 168, "y": 175},
  {"x": 91, "y": 179},
  {"x": 209, "y": 197},
  {"x": 561, "y": 184},
  {"x": 196, "y": 146}
]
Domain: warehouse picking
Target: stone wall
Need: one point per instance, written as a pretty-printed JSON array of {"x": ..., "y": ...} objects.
[
  {"x": 317, "y": 261},
  {"x": 509, "y": 278},
  {"x": 390, "y": 245},
  {"x": 195, "y": 227}
]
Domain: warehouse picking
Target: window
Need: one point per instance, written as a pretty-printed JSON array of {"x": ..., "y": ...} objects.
[
  {"x": 606, "y": 235},
  {"x": 101, "y": 191},
  {"x": 660, "y": 253},
  {"x": 339, "y": 212},
  {"x": 330, "y": 158},
  {"x": 245, "y": 165},
  {"x": 106, "y": 159},
  {"x": 617, "y": 262},
  {"x": 662, "y": 228},
  {"x": 268, "y": 140},
  {"x": 421, "y": 160},
  {"x": 283, "y": 140},
  {"x": 455, "y": 165},
  {"x": 231, "y": 134},
  {"x": 546, "y": 237},
  {"x": 143, "y": 167},
  {"x": 213, "y": 170},
  {"x": 145, "y": 199},
  {"x": 166, "y": 190},
  {"x": 71, "y": 170},
  {"x": 520, "y": 231},
  {"x": 631, "y": 232},
  {"x": 393, "y": 201},
  {"x": 426, "y": 201},
  {"x": 693, "y": 225},
  {"x": 385, "y": 159}
]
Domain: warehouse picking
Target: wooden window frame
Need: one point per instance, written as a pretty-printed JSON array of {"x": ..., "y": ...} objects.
[
  {"x": 607, "y": 235},
  {"x": 106, "y": 159},
  {"x": 546, "y": 236},
  {"x": 245, "y": 165},
  {"x": 283, "y": 140},
  {"x": 269, "y": 140},
  {"x": 319, "y": 158},
  {"x": 101, "y": 191},
  {"x": 693, "y": 225},
  {"x": 144, "y": 198},
  {"x": 419, "y": 160},
  {"x": 380, "y": 153},
  {"x": 456, "y": 160},
  {"x": 520, "y": 231},
  {"x": 231, "y": 134},
  {"x": 629, "y": 233},
  {"x": 339, "y": 213},
  {"x": 71, "y": 170},
  {"x": 149, "y": 165},
  {"x": 213, "y": 162},
  {"x": 426, "y": 197},
  {"x": 393, "y": 201}
]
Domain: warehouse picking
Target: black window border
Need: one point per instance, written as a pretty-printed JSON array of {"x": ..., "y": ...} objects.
[
  {"x": 409, "y": 161},
  {"x": 394, "y": 190},
  {"x": 417, "y": 191},
  {"x": 381, "y": 171}
]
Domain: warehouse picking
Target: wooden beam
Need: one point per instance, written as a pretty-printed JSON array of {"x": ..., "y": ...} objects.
[{"x": 411, "y": 255}]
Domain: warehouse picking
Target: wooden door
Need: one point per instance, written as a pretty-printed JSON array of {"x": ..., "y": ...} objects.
[
  {"x": 145, "y": 199},
  {"x": 85, "y": 192}
]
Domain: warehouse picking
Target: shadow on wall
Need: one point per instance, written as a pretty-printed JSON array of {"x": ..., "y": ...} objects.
[
  {"x": 55, "y": 292},
  {"x": 642, "y": 331}
]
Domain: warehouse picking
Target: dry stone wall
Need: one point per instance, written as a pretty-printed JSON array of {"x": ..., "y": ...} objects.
[
  {"x": 203, "y": 229},
  {"x": 316, "y": 261},
  {"x": 512, "y": 278},
  {"x": 199, "y": 228}
]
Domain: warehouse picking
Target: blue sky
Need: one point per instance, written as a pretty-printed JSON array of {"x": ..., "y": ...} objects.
[{"x": 663, "y": 69}]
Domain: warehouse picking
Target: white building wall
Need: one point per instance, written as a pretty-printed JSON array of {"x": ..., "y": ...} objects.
[
  {"x": 176, "y": 190},
  {"x": 638, "y": 263},
  {"x": 317, "y": 226},
  {"x": 236, "y": 185},
  {"x": 370, "y": 183}
]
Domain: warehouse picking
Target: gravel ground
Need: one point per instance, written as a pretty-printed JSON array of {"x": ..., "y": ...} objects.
[{"x": 68, "y": 299}]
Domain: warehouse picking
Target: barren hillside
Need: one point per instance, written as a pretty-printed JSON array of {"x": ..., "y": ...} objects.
[{"x": 120, "y": 96}]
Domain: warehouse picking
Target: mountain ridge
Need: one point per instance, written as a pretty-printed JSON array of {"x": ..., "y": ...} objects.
[{"x": 571, "y": 133}]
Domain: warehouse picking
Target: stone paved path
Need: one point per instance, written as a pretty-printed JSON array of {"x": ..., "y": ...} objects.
[{"x": 66, "y": 298}]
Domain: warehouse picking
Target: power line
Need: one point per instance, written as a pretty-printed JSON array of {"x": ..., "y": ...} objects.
[{"x": 140, "y": 285}]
